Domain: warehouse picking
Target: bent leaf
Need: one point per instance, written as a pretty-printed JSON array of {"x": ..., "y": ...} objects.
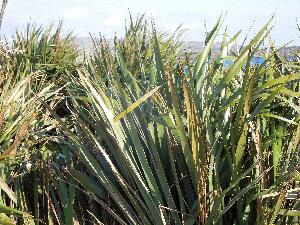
[{"x": 135, "y": 104}]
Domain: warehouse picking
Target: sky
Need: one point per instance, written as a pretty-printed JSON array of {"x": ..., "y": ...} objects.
[{"x": 108, "y": 16}]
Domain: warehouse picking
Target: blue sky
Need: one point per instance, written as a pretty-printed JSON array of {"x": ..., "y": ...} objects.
[{"x": 108, "y": 16}]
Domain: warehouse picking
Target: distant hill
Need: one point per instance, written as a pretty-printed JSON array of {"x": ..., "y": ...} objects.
[
  {"x": 198, "y": 46},
  {"x": 84, "y": 42},
  {"x": 190, "y": 46}
]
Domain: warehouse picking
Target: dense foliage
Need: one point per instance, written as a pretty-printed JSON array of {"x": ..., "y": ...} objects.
[{"x": 139, "y": 132}]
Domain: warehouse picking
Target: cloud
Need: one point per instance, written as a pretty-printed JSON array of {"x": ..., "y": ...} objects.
[
  {"x": 114, "y": 20},
  {"x": 74, "y": 13}
]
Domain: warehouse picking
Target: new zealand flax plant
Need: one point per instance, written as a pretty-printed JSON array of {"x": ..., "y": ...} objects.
[
  {"x": 157, "y": 139},
  {"x": 139, "y": 134},
  {"x": 31, "y": 72}
]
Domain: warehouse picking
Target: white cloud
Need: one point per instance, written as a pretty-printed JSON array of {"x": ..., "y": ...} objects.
[
  {"x": 74, "y": 13},
  {"x": 114, "y": 19}
]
